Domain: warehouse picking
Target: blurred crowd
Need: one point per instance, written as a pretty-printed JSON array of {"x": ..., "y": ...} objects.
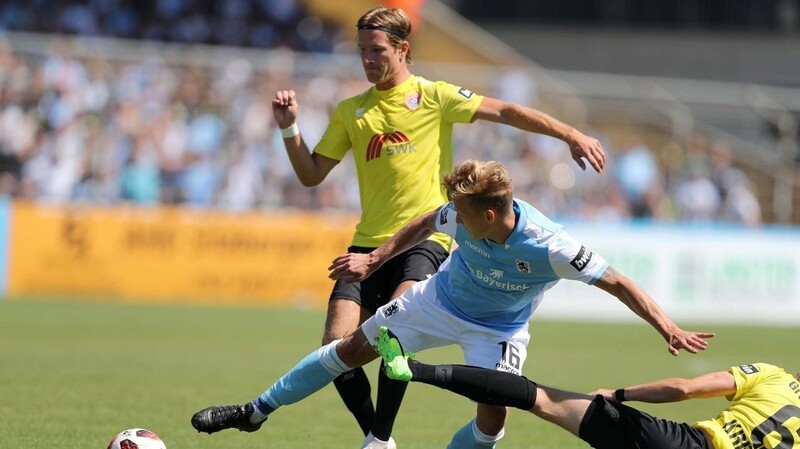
[
  {"x": 149, "y": 132},
  {"x": 154, "y": 131},
  {"x": 248, "y": 23}
]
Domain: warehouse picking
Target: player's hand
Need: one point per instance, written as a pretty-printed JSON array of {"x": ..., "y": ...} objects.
[
  {"x": 352, "y": 267},
  {"x": 687, "y": 340},
  {"x": 285, "y": 108},
  {"x": 583, "y": 147}
]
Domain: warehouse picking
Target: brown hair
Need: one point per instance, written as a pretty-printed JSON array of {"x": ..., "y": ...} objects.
[
  {"x": 485, "y": 184},
  {"x": 393, "y": 21}
]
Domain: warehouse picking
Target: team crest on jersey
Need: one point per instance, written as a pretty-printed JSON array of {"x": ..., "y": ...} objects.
[
  {"x": 523, "y": 266},
  {"x": 412, "y": 100},
  {"x": 442, "y": 216},
  {"x": 748, "y": 369},
  {"x": 466, "y": 93},
  {"x": 360, "y": 112},
  {"x": 391, "y": 309}
]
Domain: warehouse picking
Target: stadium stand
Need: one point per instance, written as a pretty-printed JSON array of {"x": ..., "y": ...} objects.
[{"x": 103, "y": 105}]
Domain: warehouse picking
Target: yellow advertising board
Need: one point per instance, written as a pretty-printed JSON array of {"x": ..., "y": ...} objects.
[{"x": 174, "y": 254}]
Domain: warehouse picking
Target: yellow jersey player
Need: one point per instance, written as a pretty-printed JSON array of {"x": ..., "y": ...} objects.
[
  {"x": 764, "y": 411},
  {"x": 400, "y": 133}
]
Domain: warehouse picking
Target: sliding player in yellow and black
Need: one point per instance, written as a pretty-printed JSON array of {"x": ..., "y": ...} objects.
[{"x": 764, "y": 411}]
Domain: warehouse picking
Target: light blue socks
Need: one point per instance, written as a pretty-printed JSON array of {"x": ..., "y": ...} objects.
[
  {"x": 470, "y": 437},
  {"x": 307, "y": 377}
]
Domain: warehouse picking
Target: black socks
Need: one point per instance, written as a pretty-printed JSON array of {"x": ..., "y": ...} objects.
[
  {"x": 353, "y": 386},
  {"x": 390, "y": 396},
  {"x": 479, "y": 384}
]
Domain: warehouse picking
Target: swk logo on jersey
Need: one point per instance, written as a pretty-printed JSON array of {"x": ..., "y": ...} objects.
[{"x": 396, "y": 143}]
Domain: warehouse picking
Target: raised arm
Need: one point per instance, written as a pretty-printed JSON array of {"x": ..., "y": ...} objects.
[
  {"x": 354, "y": 267},
  {"x": 719, "y": 383},
  {"x": 581, "y": 146},
  {"x": 311, "y": 168},
  {"x": 644, "y": 306}
]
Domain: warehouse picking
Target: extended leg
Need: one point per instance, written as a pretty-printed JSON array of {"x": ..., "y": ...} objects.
[{"x": 307, "y": 377}]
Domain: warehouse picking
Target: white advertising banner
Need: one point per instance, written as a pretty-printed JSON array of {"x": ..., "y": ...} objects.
[{"x": 697, "y": 274}]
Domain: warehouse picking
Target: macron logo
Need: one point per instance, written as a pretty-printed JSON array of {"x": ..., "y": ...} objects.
[
  {"x": 477, "y": 249},
  {"x": 376, "y": 143}
]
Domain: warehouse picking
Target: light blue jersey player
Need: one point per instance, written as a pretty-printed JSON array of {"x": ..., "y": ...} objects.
[
  {"x": 483, "y": 295},
  {"x": 481, "y": 298},
  {"x": 499, "y": 285}
]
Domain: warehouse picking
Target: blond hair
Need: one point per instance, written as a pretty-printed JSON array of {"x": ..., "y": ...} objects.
[
  {"x": 485, "y": 184},
  {"x": 393, "y": 21}
]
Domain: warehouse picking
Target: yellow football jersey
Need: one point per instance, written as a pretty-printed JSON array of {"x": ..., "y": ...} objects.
[
  {"x": 402, "y": 141},
  {"x": 764, "y": 413}
]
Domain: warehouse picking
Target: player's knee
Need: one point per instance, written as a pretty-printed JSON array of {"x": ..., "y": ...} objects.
[
  {"x": 354, "y": 350},
  {"x": 343, "y": 318}
]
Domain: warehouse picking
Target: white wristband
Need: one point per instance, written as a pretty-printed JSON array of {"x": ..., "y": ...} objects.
[{"x": 290, "y": 132}]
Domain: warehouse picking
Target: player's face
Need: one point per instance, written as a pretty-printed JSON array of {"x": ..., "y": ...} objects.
[
  {"x": 472, "y": 218},
  {"x": 382, "y": 62}
]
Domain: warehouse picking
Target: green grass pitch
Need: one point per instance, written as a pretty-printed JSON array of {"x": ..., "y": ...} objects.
[{"x": 73, "y": 374}]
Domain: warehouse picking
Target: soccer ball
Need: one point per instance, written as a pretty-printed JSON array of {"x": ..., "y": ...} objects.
[{"x": 136, "y": 439}]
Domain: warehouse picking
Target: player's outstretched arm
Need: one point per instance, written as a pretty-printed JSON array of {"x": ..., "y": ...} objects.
[
  {"x": 311, "y": 168},
  {"x": 581, "y": 146},
  {"x": 716, "y": 384},
  {"x": 354, "y": 267},
  {"x": 644, "y": 306}
]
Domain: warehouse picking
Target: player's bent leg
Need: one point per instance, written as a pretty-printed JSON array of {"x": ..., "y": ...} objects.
[
  {"x": 343, "y": 317},
  {"x": 390, "y": 396},
  {"x": 354, "y": 388},
  {"x": 414, "y": 265},
  {"x": 355, "y": 350}
]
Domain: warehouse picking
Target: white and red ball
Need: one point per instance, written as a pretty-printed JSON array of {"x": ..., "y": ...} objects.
[{"x": 136, "y": 439}]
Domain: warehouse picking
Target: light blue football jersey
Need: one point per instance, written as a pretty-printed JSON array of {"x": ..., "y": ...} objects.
[{"x": 500, "y": 285}]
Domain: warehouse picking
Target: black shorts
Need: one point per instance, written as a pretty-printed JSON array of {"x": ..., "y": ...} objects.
[
  {"x": 612, "y": 425},
  {"x": 415, "y": 264}
]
